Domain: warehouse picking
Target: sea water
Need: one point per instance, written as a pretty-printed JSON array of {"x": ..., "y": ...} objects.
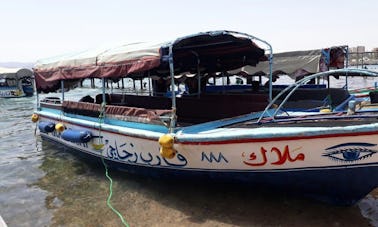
[{"x": 42, "y": 184}]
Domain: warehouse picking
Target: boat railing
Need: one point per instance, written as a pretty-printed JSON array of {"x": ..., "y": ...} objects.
[
  {"x": 124, "y": 113},
  {"x": 289, "y": 91},
  {"x": 191, "y": 110},
  {"x": 51, "y": 100}
]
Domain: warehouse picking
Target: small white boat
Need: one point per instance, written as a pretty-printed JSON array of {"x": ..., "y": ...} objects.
[{"x": 329, "y": 156}]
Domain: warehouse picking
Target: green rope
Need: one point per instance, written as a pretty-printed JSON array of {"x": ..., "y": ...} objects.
[
  {"x": 110, "y": 195},
  {"x": 100, "y": 121}
]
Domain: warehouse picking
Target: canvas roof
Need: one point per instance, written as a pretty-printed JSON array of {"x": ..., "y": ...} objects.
[
  {"x": 15, "y": 73},
  {"x": 208, "y": 51},
  {"x": 298, "y": 63}
]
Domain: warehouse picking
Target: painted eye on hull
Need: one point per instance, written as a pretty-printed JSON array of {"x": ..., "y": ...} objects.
[{"x": 350, "y": 152}]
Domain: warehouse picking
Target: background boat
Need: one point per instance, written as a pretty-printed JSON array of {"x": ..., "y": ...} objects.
[{"x": 16, "y": 82}]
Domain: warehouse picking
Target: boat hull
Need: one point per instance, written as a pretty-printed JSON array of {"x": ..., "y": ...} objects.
[
  {"x": 11, "y": 92},
  {"x": 339, "y": 168},
  {"x": 14, "y": 92},
  {"x": 338, "y": 186}
]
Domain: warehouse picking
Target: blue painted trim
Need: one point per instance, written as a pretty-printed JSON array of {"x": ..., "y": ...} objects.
[
  {"x": 136, "y": 125},
  {"x": 8, "y": 87},
  {"x": 218, "y": 88},
  {"x": 120, "y": 123},
  {"x": 344, "y": 104},
  {"x": 53, "y": 111}
]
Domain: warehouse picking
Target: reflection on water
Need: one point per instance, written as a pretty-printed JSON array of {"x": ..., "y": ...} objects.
[
  {"x": 44, "y": 185},
  {"x": 369, "y": 207},
  {"x": 21, "y": 203}
]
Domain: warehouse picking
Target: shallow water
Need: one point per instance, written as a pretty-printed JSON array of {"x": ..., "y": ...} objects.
[{"x": 41, "y": 184}]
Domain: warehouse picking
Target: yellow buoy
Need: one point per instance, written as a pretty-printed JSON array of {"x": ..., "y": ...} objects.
[
  {"x": 34, "y": 118},
  {"x": 59, "y": 127},
  {"x": 98, "y": 146},
  {"x": 18, "y": 92},
  {"x": 325, "y": 111},
  {"x": 166, "y": 146}
]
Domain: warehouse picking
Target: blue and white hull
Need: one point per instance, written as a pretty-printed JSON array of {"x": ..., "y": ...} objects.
[{"x": 332, "y": 164}]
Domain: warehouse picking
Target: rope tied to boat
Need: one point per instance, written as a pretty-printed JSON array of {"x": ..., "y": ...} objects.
[
  {"x": 110, "y": 195},
  {"x": 101, "y": 119}
]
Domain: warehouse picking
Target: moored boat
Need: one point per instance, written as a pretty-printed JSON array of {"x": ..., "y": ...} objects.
[
  {"x": 16, "y": 82},
  {"x": 223, "y": 137}
]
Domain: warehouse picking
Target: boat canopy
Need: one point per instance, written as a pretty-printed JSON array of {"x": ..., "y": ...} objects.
[
  {"x": 206, "y": 52},
  {"x": 15, "y": 73},
  {"x": 300, "y": 63}
]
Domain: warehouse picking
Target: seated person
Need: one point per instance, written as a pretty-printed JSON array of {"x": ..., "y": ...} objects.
[
  {"x": 87, "y": 98},
  {"x": 192, "y": 84},
  {"x": 99, "y": 100},
  {"x": 160, "y": 86}
]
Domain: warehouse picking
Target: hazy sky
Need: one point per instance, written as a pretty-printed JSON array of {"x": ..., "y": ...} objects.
[{"x": 35, "y": 29}]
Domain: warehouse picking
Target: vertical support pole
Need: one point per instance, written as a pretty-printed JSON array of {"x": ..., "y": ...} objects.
[
  {"x": 199, "y": 79},
  {"x": 62, "y": 88},
  {"x": 36, "y": 92},
  {"x": 171, "y": 69},
  {"x": 149, "y": 83},
  {"x": 347, "y": 65},
  {"x": 270, "y": 72},
  {"x": 38, "y": 105},
  {"x": 198, "y": 74},
  {"x": 103, "y": 91},
  {"x": 223, "y": 83}
]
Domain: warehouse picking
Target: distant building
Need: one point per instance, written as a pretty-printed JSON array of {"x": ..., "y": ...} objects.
[
  {"x": 358, "y": 49},
  {"x": 375, "y": 52},
  {"x": 359, "y": 56}
]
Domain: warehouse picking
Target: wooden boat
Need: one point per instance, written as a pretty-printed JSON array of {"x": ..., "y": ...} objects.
[
  {"x": 16, "y": 82},
  {"x": 328, "y": 156}
]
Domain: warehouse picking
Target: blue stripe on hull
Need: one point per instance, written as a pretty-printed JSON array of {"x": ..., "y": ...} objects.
[{"x": 341, "y": 186}]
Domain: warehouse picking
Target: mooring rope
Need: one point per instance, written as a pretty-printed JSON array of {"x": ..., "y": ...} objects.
[
  {"x": 100, "y": 121},
  {"x": 110, "y": 195}
]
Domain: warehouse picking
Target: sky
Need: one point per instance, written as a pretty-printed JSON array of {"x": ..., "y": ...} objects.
[{"x": 37, "y": 29}]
